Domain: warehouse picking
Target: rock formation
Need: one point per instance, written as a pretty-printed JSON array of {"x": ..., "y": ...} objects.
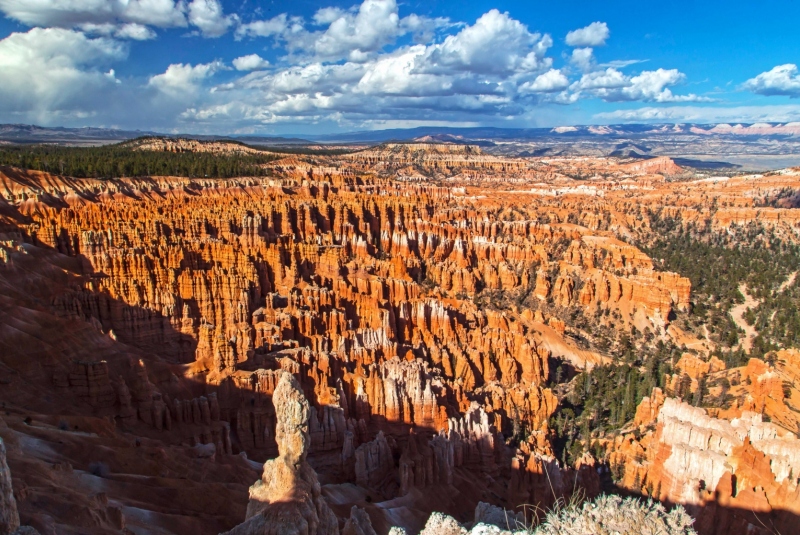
[
  {"x": 358, "y": 523},
  {"x": 149, "y": 327},
  {"x": 734, "y": 476},
  {"x": 287, "y": 499}
]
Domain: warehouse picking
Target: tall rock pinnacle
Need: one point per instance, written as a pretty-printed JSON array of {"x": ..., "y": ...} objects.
[{"x": 287, "y": 500}]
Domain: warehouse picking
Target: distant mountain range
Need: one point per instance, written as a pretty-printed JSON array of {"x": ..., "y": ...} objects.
[
  {"x": 20, "y": 133},
  {"x": 528, "y": 134},
  {"x": 24, "y": 133}
]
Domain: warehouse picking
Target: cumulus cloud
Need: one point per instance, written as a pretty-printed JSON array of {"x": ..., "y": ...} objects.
[
  {"x": 55, "y": 70},
  {"x": 594, "y": 34},
  {"x": 375, "y": 25},
  {"x": 549, "y": 82},
  {"x": 366, "y": 65},
  {"x": 133, "y": 31},
  {"x": 354, "y": 35},
  {"x": 474, "y": 71},
  {"x": 583, "y": 58},
  {"x": 251, "y": 62},
  {"x": 273, "y": 27},
  {"x": 781, "y": 80},
  {"x": 612, "y": 85},
  {"x": 327, "y": 15},
  {"x": 71, "y": 13},
  {"x": 129, "y": 18},
  {"x": 423, "y": 29},
  {"x": 208, "y": 17},
  {"x": 183, "y": 78},
  {"x": 496, "y": 44},
  {"x": 347, "y": 72},
  {"x": 602, "y": 80}
]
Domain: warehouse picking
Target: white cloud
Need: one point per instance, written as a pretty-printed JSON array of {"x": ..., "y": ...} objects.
[
  {"x": 341, "y": 66},
  {"x": 612, "y": 85},
  {"x": 397, "y": 74},
  {"x": 495, "y": 67},
  {"x": 160, "y": 13},
  {"x": 182, "y": 78},
  {"x": 549, "y": 82},
  {"x": 130, "y": 30},
  {"x": 781, "y": 80},
  {"x": 583, "y": 58},
  {"x": 594, "y": 34},
  {"x": 354, "y": 35},
  {"x": 208, "y": 17},
  {"x": 652, "y": 86},
  {"x": 130, "y": 17},
  {"x": 375, "y": 25},
  {"x": 134, "y": 31},
  {"x": 495, "y": 44},
  {"x": 608, "y": 79},
  {"x": 327, "y": 15},
  {"x": 251, "y": 62},
  {"x": 474, "y": 71},
  {"x": 55, "y": 70},
  {"x": 423, "y": 29},
  {"x": 622, "y": 63},
  {"x": 71, "y": 13},
  {"x": 307, "y": 79},
  {"x": 275, "y": 26}
]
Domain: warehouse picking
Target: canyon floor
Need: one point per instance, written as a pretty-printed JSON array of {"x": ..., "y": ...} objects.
[{"x": 460, "y": 328}]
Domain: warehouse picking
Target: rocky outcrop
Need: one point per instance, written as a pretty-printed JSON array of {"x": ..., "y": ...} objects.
[
  {"x": 661, "y": 165},
  {"x": 441, "y": 524},
  {"x": 287, "y": 499},
  {"x": 358, "y": 523},
  {"x": 415, "y": 160},
  {"x": 719, "y": 469},
  {"x": 373, "y": 462}
]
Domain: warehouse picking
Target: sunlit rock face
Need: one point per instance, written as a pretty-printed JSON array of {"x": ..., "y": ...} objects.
[{"x": 731, "y": 474}]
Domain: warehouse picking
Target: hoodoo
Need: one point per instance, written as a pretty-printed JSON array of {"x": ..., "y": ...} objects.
[{"x": 287, "y": 500}]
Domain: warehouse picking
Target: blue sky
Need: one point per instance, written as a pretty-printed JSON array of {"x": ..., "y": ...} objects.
[{"x": 245, "y": 66}]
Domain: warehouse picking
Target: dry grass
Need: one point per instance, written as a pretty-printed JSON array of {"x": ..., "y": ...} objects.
[{"x": 612, "y": 515}]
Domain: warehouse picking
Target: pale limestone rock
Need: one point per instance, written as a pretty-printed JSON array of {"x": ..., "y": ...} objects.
[{"x": 441, "y": 524}]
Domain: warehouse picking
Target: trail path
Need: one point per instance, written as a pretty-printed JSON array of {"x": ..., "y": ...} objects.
[
  {"x": 737, "y": 313},
  {"x": 789, "y": 280}
]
